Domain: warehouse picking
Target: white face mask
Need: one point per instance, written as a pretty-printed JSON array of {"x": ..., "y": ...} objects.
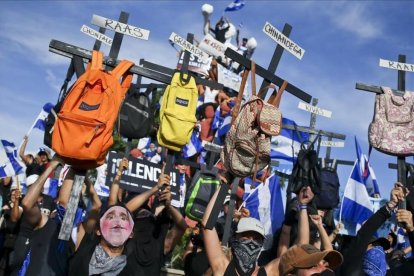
[{"x": 116, "y": 225}]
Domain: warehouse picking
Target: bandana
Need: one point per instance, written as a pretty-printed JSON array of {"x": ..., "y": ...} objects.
[
  {"x": 374, "y": 262},
  {"x": 245, "y": 253},
  {"x": 102, "y": 264}
]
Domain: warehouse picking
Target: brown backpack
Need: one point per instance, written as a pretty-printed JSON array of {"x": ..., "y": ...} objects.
[
  {"x": 83, "y": 131},
  {"x": 247, "y": 145}
]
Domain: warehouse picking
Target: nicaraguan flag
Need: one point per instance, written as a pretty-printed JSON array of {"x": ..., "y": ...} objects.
[
  {"x": 356, "y": 206},
  {"x": 368, "y": 175},
  {"x": 221, "y": 125},
  {"x": 286, "y": 146},
  {"x": 144, "y": 143},
  {"x": 50, "y": 187},
  {"x": 235, "y": 5},
  {"x": 40, "y": 120},
  {"x": 9, "y": 164},
  {"x": 265, "y": 204},
  {"x": 194, "y": 146}
]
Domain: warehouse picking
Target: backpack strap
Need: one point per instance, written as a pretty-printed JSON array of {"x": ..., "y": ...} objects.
[
  {"x": 97, "y": 60},
  {"x": 253, "y": 78},
  {"x": 76, "y": 66},
  {"x": 275, "y": 99},
  {"x": 122, "y": 70},
  {"x": 262, "y": 93}
]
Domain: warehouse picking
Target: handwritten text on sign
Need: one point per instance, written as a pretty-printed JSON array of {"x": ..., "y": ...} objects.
[
  {"x": 396, "y": 65},
  {"x": 326, "y": 143},
  {"x": 315, "y": 109},
  {"x": 183, "y": 43},
  {"x": 97, "y": 35},
  {"x": 120, "y": 27},
  {"x": 229, "y": 79},
  {"x": 141, "y": 176},
  {"x": 283, "y": 41}
]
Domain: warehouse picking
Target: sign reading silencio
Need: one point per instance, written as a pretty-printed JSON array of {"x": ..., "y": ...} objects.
[
  {"x": 315, "y": 109},
  {"x": 97, "y": 35},
  {"x": 120, "y": 27},
  {"x": 183, "y": 43},
  {"x": 141, "y": 176},
  {"x": 283, "y": 41},
  {"x": 332, "y": 144},
  {"x": 229, "y": 79},
  {"x": 396, "y": 65}
]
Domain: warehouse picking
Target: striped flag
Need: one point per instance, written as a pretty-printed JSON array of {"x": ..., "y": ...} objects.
[
  {"x": 9, "y": 163},
  {"x": 356, "y": 206},
  {"x": 286, "y": 146},
  {"x": 194, "y": 146},
  {"x": 368, "y": 175},
  {"x": 235, "y": 5},
  {"x": 221, "y": 125},
  {"x": 265, "y": 204},
  {"x": 40, "y": 120}
]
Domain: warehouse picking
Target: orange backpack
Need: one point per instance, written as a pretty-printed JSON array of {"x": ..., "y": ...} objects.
[{"x": 82, "y": 134}]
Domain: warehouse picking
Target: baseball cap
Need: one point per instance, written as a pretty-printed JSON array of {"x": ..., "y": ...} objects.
[
  {"x": 250, "y": 224},
  {"x": 306, "y": 256}
]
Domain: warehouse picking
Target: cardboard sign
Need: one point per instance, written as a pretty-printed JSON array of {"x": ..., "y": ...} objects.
[
  {"x": 141, "y": 176},
  {"x": 396, "y": 65},
  {"x": 183, "y": 43},
  {"x": 315, "y": 109},
  {"x": 195, "y": 64},
  {"x": 97, "y": 35},
  {"x": 283, "y": 41},
  {"x": 229, "y": 78},
  {"x": 119, "y": 27},
  {"x": 332, "y": 144}
]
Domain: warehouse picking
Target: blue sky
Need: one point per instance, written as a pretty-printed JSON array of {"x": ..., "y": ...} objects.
[{"x": 343, "y": 41}]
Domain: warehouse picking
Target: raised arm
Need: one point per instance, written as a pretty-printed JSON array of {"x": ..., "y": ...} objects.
[
  {"x": 29, "y": 202},
  {"x": 304, "y": 198},
  {"x": 115, "y": 189},
  {"x": 326, "y": 242},
  {"x": 216, "y": 258},
  {"x": 16, "y": 212},
  {"x": 140, "y": 199},
  {"x": 23, "y": 149}
]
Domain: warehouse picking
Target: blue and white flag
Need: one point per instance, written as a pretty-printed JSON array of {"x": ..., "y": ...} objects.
[
  {"x": 9, "y": 163},
  {"x": 144, "y": 143},
  {"x": 368, "y": 175},
  {"x": 221, "y": 125},
  {"x": 265, "y": 204},
  {"x": 194, "y": 146},
  {"x": 100, "y": 187},
  {"x": 356, "y": 206},
  {"x": 235, "y": 5},
  {"x": 50, "y": 187},
  {"x": 40, "y": 120},
  {"x": 286, "y": 146}
]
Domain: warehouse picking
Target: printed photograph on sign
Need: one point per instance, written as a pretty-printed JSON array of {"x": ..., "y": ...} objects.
[{"x": 195, "y": 65}]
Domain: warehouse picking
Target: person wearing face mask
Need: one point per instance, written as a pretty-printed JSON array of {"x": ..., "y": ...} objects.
[{"x": 245, "y": 245}]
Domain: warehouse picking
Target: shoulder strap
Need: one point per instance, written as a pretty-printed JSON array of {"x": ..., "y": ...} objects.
[
  {"x": 76, "y": 66},
  {"x": 97, "y": 59},
  {"x": 275, "y": 99},
  {"x": 262, "y": 93},
  {"x": 121, "y": 70},
  {"x": 236, "y": 108},
  {"x": 253, "y": 78}
]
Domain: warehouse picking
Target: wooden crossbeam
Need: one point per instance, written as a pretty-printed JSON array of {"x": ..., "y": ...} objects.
[
  {"x": 316, "y": 132},
  {"x": 268, "y": 76}
]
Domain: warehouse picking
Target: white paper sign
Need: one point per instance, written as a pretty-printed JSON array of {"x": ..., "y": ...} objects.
[
  {"x": 183, "y": 43},
  {"x": 315, "y": 109},
  {"x": 283, "y": 41},
  {"x": 229, "y": 79},
  {"x": 212, "y": 46},
  {"x": 119, "y": 27},
  {"x": 396, "y": 65},
  {"x": 332, "y": 144},
  {"x": 97, "y": 35}
]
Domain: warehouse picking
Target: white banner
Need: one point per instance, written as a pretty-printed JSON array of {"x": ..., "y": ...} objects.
[
  {"x": 283, "y": 41},
  {"x": 315, "y": 109},
  {"x": 229, "y": 79},
  {"x": 97, "y": 35},
  {"x": 396, "y": 65},
  {"x": 119, "y": 27}
]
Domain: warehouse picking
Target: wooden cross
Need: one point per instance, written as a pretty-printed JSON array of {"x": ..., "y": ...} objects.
[{"x": 401, "y": 164}]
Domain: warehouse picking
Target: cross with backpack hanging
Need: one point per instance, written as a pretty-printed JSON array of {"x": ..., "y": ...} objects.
[{"x": 393, "y": 117}]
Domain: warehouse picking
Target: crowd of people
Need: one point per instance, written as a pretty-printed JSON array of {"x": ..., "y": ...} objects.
[{"x": 135, "y": 234}]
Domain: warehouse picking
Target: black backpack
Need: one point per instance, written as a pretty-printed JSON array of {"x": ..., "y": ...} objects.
[
  {"x": 76, "y": 66},
  {"x": 328, "y": 198},
  {"x": 305, "y": 171},
  {"x": 136, "y": 116}
]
